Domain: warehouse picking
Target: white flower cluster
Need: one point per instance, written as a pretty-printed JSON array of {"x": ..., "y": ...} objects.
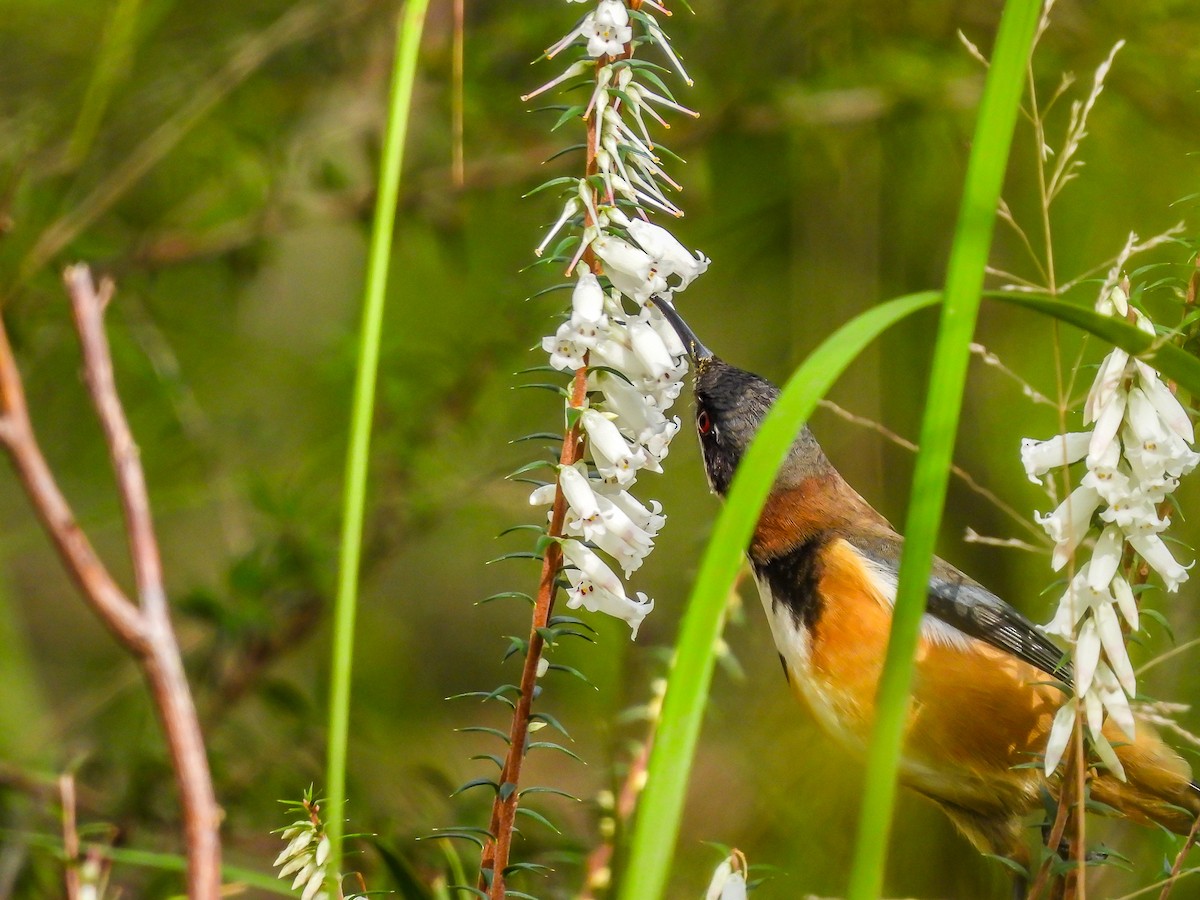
[
  {"x": 305, "y": 856},
  {"x": 635, "y": 360},
  {"x": 1136, "y": 452}
]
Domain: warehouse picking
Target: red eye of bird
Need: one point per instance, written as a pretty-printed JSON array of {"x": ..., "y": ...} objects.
[{"x": 703, "y": 422}]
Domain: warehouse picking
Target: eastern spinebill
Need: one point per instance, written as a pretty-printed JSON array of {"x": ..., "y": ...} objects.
[{"x": 987, "y": 681}]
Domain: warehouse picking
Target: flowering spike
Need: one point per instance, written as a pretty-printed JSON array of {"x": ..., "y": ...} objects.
[{"x": 1135, "y": 453}]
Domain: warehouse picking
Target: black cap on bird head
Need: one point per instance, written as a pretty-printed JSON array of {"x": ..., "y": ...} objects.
[{"x": 730, "y": 405}]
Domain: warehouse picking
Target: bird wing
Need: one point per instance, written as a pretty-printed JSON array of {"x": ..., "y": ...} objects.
[{"x": 957, "y": 601}]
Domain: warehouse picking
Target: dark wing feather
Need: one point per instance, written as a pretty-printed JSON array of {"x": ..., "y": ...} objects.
[
  {"x": 972, "y": 609},
  {"x": 977, "y": 612}
]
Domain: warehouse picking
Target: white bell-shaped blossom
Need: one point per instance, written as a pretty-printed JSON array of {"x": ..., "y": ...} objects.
[
  {"x": 596, "y": 588},
  {"x": 1039, "y": 457},
  {"x": 1060, "y": 735},
  {"x": 1136, "y": 451},
  {"x": 621, "y": 261},
  {"x": 615, "y": 459},
  {"x": 672, "y": 257},
  {"x": 1069, "y": 523}
]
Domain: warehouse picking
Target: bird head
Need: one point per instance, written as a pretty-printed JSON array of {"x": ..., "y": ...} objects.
[{"x": 731, "y": 404}]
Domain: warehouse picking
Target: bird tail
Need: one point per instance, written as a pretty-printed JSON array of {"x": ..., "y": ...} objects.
[{"x": 1158, "y": 788}]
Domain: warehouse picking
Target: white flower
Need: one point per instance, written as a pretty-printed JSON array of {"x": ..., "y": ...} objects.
[
  {"x": 648, "y": 346},
  {"x": 587, "y": 299},
  {"x": 649, "y": 519},
  {"x": 1112, "y": 695},
  {"x": 576, "y": 68},
  {"x": 1107, "y": 424},
  {"x": 1152, "y": 549},
  {"x": 652, "y": 315},
  {"x": 596, "y": 588},
  {"x": 629, "y": 269},
  {"x": 578, "y": 493},
  {"x": 613, "y": 13},
  {"x": 1060, "y": 735},
  {"x": 1107, "y": 755},
  {"x": 1113, "y": 641},
  {"x": 1123, "y": 594},
  {"x": 727, "y": 883},
  {"x": 621, "y": 539},
  {"x": 1068, "y": 524},
  {"x": 1108, "y": 380},
  {"x": 673, "y": 258},
  {"x": 1106, "y": 558},
  {"x": 565, "y": 354},
  {"x": 637, "y": 415},
  {"x": 615, "y": 459},
  {"x": 1136, "y": 452},
  {"x": 1039, "y": 457},
  {"x": 1087, "y": 655},
  {"x": 1168, "y": 407},
  {"x": 543, "y": 495},
  {"x": 604, "y": 38}
]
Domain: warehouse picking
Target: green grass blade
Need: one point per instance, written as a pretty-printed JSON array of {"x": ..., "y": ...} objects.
[
  {"x": 112, "y": 64},
  {"x": 661, "y": 806},
  {"x": 943, "y": 405},
  {"x": 408, "y": 44},
  {"x": 1173, "y": 362}
]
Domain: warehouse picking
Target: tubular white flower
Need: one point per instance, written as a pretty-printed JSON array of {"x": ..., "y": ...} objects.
[
  {"x": 1108, "y": 380},
  {"x": 648, "y": 518},
  {"x": 597, "y": 589},
  {"x": 615, "y": 459},
  {"x": 591, "y": 566},
  {"x": 1060, "y": 735},
  {"x": 1126, "y": 602},
  {"x": 1113, "y": 641},
  {"x": 672, "y": 256},
  {"x": 1107, "y": 424},
  {"x": 1137, "y": 449},
  {"x": 1106, "y": 558},
  {"x": 565, "y": 354},
  {"x": 1107, "y": 755},
  {"x": 587, "y": 299},
  {"x": 627, "y": 429},
  {"x": 1068, "y": 524},
  {"x": 648, "y": 346},
  {"x": 1087, "y": 655},
  {"x": 1151, "y": 548},
  {"x": 1112, "y": 695},
  {"x": 542, "y": 495},
  {"x": 578, "y": 493},
  {"x": 726, "y": 883},
  {"x": 1039, "y": 457}
]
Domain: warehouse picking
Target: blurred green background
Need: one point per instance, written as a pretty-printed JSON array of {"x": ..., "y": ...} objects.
[{"x": 218, "y": 161}]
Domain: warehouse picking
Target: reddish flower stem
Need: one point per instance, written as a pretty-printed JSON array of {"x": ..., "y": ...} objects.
[{"x": 504, "y": 809}]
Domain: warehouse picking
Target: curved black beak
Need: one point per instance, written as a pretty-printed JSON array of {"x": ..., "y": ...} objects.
[{"x": 696, "y": 350}]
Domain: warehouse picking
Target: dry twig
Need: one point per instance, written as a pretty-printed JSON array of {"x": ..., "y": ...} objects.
[{"x": 144, "y": 627}]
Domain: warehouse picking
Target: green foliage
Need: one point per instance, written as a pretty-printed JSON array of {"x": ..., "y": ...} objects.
[{"x": 823, "y": 175}]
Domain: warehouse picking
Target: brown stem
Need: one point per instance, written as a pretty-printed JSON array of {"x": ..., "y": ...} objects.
[
  {"x": 161, "y": 663},
  {"x": 504, "y": 809},
  {"x": 1179, "y": 857},
  {"x": 496, "y": 851},
  {"x": 99, "y": 589},
  {"x": 145, "y": 628},
  {"x": 1059, "y": 827}
]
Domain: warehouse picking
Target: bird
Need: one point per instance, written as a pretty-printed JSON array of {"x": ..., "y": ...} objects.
[{"x": 987, "y": 681}]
